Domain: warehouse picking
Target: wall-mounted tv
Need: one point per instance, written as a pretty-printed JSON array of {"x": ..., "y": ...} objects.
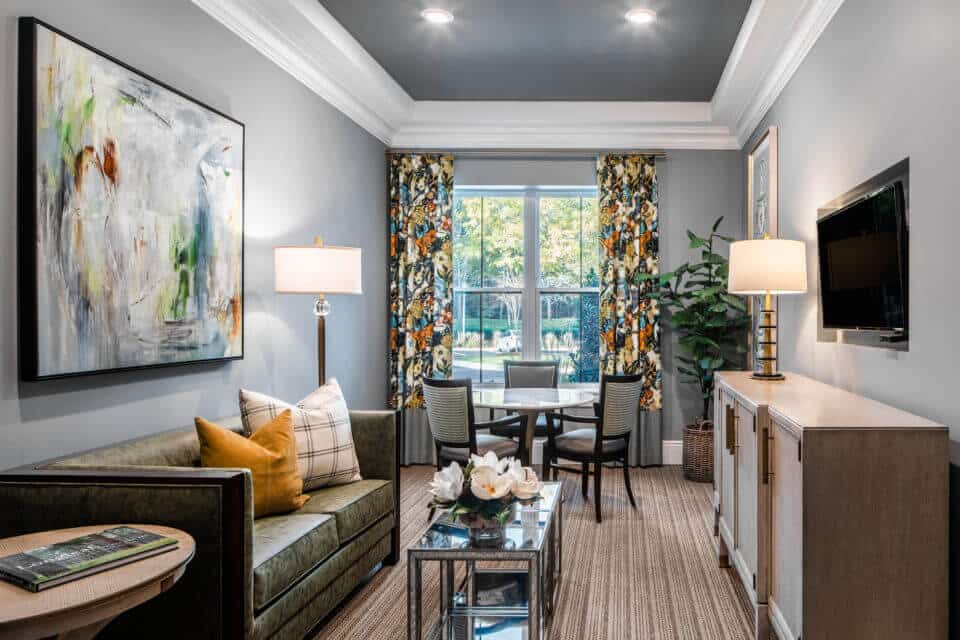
[{"x": 863, "y": 263}]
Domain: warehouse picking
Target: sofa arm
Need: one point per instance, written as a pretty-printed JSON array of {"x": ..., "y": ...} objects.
[
  {"x": 376, "y": 437},
  {"x": 215, "y": 506}
]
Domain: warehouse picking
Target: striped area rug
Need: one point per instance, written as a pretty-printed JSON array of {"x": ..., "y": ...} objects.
[{"x": 642, "y": 574}]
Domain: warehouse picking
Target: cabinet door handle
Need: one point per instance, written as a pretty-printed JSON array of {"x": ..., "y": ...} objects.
[
  {"x": 731, "y": 434},
  {"x": 766, "y": 456}
]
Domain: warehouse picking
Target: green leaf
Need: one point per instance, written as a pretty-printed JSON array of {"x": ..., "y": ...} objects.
[
  {"x": 736, "y": 302},
  {"x": 695, "y": 240},
  {"x": 716, "y": 225}
]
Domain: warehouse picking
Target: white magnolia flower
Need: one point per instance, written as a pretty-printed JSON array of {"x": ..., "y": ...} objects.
[
  {"x": 447, "y": 483},
  {"x": 487, "y": 484},
  {"x": 526, "y": 484},
  {"x": 489, "y": 459}
]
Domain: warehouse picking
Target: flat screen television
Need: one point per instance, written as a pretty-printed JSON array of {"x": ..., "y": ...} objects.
[{"x": 863, "y": 263}]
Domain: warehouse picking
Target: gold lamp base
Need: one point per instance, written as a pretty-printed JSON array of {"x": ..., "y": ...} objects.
[{"x": 766, "y": 352}]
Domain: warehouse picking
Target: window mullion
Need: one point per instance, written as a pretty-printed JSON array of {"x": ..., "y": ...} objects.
[{"x": 531, "y": 264}]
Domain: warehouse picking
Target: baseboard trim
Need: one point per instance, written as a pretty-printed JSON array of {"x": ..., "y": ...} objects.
[
  {"x": 672, "y": 452},
  {"x": 777, "y": 622}
]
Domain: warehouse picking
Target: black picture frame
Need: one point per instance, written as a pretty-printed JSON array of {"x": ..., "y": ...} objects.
[{"x": 27, "y": 298}]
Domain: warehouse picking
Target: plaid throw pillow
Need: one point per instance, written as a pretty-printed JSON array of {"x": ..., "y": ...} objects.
[{"x": 321, "y": 426}]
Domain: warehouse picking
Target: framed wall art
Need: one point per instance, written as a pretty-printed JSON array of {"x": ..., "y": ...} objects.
[
  {"x": 761, "y": 213},
  {"x": 131, "y": 204}
]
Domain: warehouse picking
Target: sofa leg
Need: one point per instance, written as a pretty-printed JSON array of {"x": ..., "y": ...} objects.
[{"x": 394, "y": 556}]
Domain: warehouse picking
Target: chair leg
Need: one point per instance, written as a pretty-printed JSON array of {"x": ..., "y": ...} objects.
[
  {"x": 585, "y": 479},
  {"x": 626, "y": 481},
  {"x": 597, "y": 474}
]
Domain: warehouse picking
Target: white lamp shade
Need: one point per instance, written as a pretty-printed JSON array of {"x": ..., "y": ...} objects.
[
  {"x": 317, "y": 270},
  {"x": 774, "y": 266}
]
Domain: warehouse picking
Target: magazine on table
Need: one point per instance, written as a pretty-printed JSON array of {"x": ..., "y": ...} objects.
[{"x": 45, "y": 567}]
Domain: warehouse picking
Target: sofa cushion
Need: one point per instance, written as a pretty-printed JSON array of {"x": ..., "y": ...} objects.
[
  {"x": 271, "y": 456},
  {"x": 355, "y": 506},
  {"x": 321, "y": 424},
  {"x": 286, "y": 548}
]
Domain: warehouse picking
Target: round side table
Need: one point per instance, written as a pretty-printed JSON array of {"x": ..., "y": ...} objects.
[{"x": 78, "y": 610}]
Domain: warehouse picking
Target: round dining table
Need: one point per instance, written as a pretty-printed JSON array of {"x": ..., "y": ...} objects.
[{"x": 531, "y": 402}]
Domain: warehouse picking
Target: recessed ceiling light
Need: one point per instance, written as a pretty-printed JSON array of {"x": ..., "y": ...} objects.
[
  {"x": 641, "y": 16},
  {"x": 437, "y": 16}
]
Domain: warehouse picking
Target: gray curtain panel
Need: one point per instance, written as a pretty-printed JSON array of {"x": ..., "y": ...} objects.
[
  {"x": 417, "y": 442},
  {"x": 646, "y": 443}
]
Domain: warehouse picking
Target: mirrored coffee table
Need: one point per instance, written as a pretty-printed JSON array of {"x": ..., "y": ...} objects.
[{"x": 492, "y": 603}]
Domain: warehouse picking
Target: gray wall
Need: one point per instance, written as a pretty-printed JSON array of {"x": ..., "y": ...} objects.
[
  {"x": 309, "y": 171},
  {"x": 696, "y": 187},
  {"x": 881, "y": 84}
]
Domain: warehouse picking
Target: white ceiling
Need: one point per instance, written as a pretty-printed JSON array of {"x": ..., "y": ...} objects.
[{"x": 304, "y": 39}]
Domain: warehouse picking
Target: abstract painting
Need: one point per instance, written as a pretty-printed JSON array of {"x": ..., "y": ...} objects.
[{"x": 131, "y": 216}]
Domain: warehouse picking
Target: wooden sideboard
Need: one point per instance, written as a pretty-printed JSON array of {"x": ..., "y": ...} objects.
[{"x": 832, "y": 508}]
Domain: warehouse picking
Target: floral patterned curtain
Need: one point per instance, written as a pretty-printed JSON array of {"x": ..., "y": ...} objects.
[
  {"x": 421, "y": 274},
  {"x": 629, "y": 234}
]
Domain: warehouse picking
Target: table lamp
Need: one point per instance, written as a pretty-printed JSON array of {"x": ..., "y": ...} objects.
[
  {"x": 318, "y": 270},
  {"x": 767, "y": 268}
]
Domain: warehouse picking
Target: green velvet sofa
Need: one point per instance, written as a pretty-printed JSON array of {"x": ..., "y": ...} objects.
[{"x": 274, "y": 577}]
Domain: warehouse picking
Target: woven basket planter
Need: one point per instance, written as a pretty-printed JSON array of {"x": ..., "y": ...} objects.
[{"x": 698, "y": 452}]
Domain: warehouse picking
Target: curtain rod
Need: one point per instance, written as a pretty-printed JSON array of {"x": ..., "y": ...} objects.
[{"x": 530, "y": 153}]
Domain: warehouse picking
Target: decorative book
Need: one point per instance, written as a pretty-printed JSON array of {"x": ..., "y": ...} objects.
[{"x": 45, "y": 567}]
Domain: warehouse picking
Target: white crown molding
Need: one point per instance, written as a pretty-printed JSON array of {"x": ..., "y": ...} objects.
[
  {"x": 774, "y": 39},
  {"x": 306, "y": 41},
  {"x": 303, "y": 39},
  {"x": 725, "y": 95},
  {"x": 810, "y": 25},
  {"x": 562, "y": 125}
]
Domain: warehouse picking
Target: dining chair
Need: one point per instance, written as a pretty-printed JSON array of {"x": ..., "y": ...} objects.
[
  {"x": 529, "y": 374},
  {"x": 606, "y": 440},
  {"x": 454, "y": 427}
]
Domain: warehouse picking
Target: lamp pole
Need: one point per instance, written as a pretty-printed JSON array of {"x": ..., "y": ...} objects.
[{"x": 321, "y": 308}]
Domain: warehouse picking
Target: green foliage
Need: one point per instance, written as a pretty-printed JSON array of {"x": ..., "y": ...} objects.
[{"x": 711, "y": 324}]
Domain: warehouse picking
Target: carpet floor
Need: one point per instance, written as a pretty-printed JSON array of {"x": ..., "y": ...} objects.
[{"x": 649, "y": 573}]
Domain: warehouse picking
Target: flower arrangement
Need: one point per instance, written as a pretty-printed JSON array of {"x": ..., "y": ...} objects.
[{"x": 481, "y": 494}]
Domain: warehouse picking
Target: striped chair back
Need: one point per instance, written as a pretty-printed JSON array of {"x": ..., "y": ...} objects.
[
  {"x": 519, "y": 374},
  {"x": 621, "y": 403},
  {"x": 448, "y": 409}
]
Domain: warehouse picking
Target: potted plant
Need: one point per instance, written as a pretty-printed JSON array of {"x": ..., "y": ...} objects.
[
  {"x": 711, "y": 325},
  {"x": 481, "y": 495}
]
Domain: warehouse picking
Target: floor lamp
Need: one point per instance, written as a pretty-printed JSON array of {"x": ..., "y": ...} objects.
[
  {"x": 767, "y": 268},
  {"x": 322, "y": 271}
]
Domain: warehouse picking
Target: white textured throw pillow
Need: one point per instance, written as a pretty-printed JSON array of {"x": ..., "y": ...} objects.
[{"x": 321, "y": 426}]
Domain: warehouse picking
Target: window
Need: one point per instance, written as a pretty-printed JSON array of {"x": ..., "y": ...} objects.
[{"x": 526, "y": 282}]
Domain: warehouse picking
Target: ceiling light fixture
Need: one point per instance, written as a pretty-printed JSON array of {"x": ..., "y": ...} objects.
[
  {"x": 437, "y": 16},
  {"x": 641, "y": 16}
]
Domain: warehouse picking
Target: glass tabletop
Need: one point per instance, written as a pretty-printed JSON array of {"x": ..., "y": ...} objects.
[
  {"x": 531, "y": 399},
  {"x": 525, "y": 528}
]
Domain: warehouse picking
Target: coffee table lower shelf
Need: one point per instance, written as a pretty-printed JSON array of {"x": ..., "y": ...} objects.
[
  {"x": 487, "y": 603},
  {"x": 491, "y": 604}
]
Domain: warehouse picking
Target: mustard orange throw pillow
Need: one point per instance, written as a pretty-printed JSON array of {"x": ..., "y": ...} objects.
[{"x": 271, "y": 456}]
